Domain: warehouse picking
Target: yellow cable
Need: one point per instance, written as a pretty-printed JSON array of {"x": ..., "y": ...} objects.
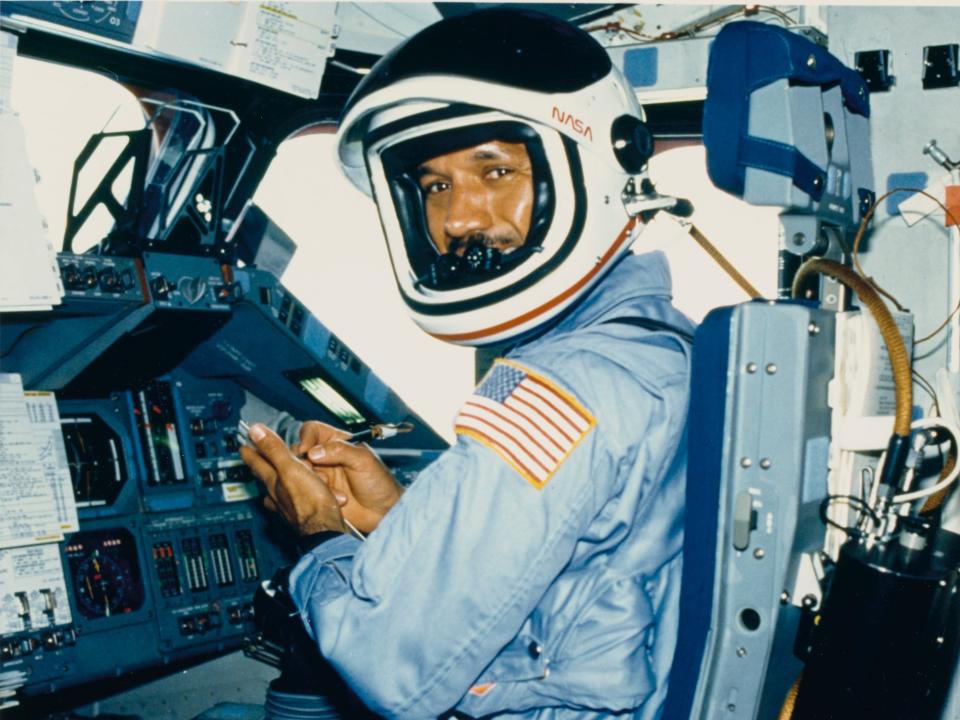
[
  {"x": 930, "y": 390},
  {"x": 899, "y": 359},
  {"x": 874, "y": 283},
  {"x": 941, "y": 326},
  {"x": 790, "y": 701},
  {"x": 714, "y": 252},
  {"x": 936, "y": 500}
]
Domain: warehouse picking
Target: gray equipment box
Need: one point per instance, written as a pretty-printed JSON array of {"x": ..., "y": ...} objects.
[{"x": 759, "y": 438}]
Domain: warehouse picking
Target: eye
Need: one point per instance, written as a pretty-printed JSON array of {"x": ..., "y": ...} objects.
[
  {"x": 498, "y": 172},
  {"x": 432, "y": 188}
]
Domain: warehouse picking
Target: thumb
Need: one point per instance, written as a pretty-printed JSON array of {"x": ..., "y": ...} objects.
[
  {"x": 314, "y": 432},
  {"x": 338, "y": 452}
]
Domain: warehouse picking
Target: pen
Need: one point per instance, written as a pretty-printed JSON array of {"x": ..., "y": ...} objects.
[
  {"x": 380, "y": 431},
  {"x": 243, "y": 432}
]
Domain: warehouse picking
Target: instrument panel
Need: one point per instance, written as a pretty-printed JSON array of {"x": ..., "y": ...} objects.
[
  {"x": 100, "y": 453},
  {"x": 105, "y": 573},
  {"x": 171, "y": 539}
]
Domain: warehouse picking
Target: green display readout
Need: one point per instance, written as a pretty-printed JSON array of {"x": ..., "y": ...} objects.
[{"x": 321, "y": 391}]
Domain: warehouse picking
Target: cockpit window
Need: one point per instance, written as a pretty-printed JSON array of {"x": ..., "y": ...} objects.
[
  {"x": 60, "y": 108},
  {"x": 746, "y": 234}
]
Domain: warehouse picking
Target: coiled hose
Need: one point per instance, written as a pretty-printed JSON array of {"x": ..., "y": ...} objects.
[
  {"x": 903, "y": 381},
  {"x": 898, "y": 447}
]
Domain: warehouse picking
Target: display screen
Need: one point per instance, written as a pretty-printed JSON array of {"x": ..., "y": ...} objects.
[
  {"x": 325, "y": 394},
  {"x": 95, "y": 459},
  {"x": 106, "y": 573}
]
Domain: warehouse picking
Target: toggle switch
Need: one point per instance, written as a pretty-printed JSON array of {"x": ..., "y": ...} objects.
[{"x": 744, "y": 520}]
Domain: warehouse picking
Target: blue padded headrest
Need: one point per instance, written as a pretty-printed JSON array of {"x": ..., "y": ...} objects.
[{"x": 746, "y": 56}]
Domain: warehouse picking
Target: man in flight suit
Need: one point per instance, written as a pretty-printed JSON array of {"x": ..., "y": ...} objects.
[{"x": 534, "y": 568}]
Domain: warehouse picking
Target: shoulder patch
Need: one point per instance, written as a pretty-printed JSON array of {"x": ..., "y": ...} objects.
[{"x": 528, "y": 420}]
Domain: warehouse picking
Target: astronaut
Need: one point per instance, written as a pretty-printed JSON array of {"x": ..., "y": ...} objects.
[{"x": 534, "y": 568}]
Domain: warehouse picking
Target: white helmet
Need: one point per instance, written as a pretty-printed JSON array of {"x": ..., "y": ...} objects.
[{"x": 512, "y": 75}]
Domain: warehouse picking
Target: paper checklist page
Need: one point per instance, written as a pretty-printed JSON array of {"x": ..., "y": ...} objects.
[
  {"x": 30, "y": 514},
  {"x": 34, "y": 589},
  {"x": 29, "y": 275},
  {"x": 45, "y": 421},
  {"x": 283, "y": 45},
  {"x": 8, "y": 51},
  {"x": 287, "y": 45}
]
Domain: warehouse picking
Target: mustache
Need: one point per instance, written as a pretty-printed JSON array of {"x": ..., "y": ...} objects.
[{"x": 491, "y": 241}]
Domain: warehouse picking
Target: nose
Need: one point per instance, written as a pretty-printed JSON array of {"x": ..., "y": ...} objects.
[{"x": 468, "y": 212}]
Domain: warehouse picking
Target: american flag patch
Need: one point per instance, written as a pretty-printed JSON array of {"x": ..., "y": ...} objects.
[{"x": 528, "y": 420}]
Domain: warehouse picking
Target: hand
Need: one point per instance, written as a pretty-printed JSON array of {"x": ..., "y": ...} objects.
[
  {"x": 364, "y": 486},
  {"x": 293, "y": 489}
]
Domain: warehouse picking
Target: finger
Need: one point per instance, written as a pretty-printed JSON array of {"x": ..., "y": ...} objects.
[
  {"x": 259, "y": 466},
  {"x": 269, "y": 504},
  {"x": 271, "y": 447},
  {"x": 287, "y": 478},
  {"x": 315, "y": 432},
  {"x": 335, "y": 479},
  {"x": 338, "y": 452}
]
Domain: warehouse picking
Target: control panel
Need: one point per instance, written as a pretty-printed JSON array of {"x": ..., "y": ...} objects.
[
  {"x": 178, "y": 281},
  {"x": 205, "y": 570},
  {"x": 171, "y": 539},
  {"x": 100, "y": 276}
]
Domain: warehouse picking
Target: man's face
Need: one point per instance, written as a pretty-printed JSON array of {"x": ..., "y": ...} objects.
[{"x": 483, "y": 192}]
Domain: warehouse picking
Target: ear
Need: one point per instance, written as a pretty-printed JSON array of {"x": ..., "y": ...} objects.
[{"x": 632, "y": 143}]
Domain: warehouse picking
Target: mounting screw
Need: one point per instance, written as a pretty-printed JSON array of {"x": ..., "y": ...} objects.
[
  {"x": 751, "y": 367},
  {"x": 765, "y": 463},
  {"x": 741, "y": 651},
  {"x": 813, "y": 329},
  {"x": 809, "y": 602},
  {"x": 812, "y": 62},
  {"x": 784, "y": 597},
  {"x": 745, "y": 462},
  {"x": 771, "y": 368},
  {"x": 759, "y": 553}
]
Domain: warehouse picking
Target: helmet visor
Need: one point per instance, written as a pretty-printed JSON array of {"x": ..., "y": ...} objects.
[{"x": 472, "y": 202}]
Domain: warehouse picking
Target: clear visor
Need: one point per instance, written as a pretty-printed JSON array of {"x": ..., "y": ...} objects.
[{"x": 473, "y": 202}]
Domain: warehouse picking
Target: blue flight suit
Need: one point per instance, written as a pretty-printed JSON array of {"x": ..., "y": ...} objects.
[{"x": 481, "y": 591}]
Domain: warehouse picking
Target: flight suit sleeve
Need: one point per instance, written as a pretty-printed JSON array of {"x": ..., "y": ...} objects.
[{"x": 413, "y": 616}]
